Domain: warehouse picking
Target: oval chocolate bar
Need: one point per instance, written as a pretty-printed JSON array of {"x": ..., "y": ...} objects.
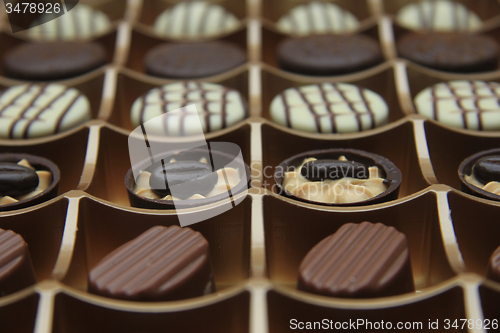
[
  {"x": 162, "y": 264},
  {"x": 487, "y": 169},
  {"x": 320, "y": 170},
  {"x": 359, "y": 261},
  {"x": 188, "y": 178},
  {"x": 16, "y": 179},
  {"x": 16, "y": 269}
]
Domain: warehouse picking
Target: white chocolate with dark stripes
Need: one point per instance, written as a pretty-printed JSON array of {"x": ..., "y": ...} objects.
[
  {"x": 38, "y": 110},
  {"x": 465, "y": 104},
  {"x": 317, "y": 17},
  {"x": 81, "y": 23},
  {"x": 329, "y": 108},
  {"x": 441, "y": 15},
  {"x": 217, "y": 107},
  {"x": 195, "y": 19}
]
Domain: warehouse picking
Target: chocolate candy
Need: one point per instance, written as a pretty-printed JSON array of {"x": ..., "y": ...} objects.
[
  {"x": 186, "y": 177},
  {"x": 320, "y": 170},
  {"x": 193, "y": 60},
  {"x": 16, "y": 179},
  {"x": 163, "y": 263},
  {"x": 487, "y": 169},
  {"x": 53, "y": 61},
  {"x": 16, "y": 269},
  {"x": 452, "y": 52},
  {"x": 494, "y": 266},
  {"x": 328, "y": 54},
  {"x": 465, "y": 104},
  {"x": 359, "y": 260}
]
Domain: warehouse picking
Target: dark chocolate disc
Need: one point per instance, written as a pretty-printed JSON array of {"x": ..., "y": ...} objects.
[
  {"x": 487, "y": 169},
  {"x": 320, "y": 170},
  {"x": 16, "y": 179},
  {"x": 186, "y": 177}
]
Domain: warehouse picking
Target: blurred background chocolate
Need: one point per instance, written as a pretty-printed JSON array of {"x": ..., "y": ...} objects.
[
  {"x": 53, "y": 61},
  {"x": 41, "y": 109},
  {"x": 324, "y": 55},
  {"x": 451, "y": 52},
  {"x": 494, "y": 266},
  {"x": 161, "y": 264},
  {"x": 16, "y": 269},
  {"x": 193, "y": 60},
  {"x": 359, "y": 261}
]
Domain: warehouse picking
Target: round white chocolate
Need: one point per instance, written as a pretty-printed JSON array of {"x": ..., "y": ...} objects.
[
  {"x": 80, "y": 23},
  {"x": 465, "y": 104},
  {"x": 37, "y": 110},
  {"x": 317, "y": 17},
  {"x": 329, "y": 108},
  {"x": 440, "y": 15},
  {"x": 217, "y": 107},
  {"x": 195, "y": 19}
]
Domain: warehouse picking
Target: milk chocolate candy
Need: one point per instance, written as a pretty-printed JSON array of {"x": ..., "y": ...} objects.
[
  {"x": 487, "y": 169},
  {"x": 162, "y": 264},
  {"x": 494, "y": 266},
  {"x": 16, "y": 269},
  {"x": 358, "y": 261}
]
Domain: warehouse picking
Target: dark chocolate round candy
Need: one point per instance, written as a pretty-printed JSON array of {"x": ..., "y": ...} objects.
[
  {"x": 53, "y": 61},
  {"x": 328, "y": 54},
  {"x": 193, "y": 60},
  {"x": 183, "y": 179},
  {"x": 16, "y": 179},
  {"x": 487, "y": 169},
  {"x": 453, "y": 52},
  {"x": 320, "y": 170}
]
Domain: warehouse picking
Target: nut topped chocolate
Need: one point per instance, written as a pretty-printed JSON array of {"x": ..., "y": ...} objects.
[
  {"x": 16, "y": 269},
  {"x": 486, "y": 174},
  {"x": 440, "y": 15},
  {"x": 217, "y": 107},
  {"x": 195, "y": 20},
  {"x": 329, "y": 108},
  {"x": 317, "y": 17},
  {"x": 465, "y": 104},
  {"x": 162, "y": 264},
  {"x": 359, "y": 261}
]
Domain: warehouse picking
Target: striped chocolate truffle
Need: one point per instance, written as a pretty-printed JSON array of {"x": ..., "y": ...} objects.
[
  {"x": 80, "y": 23},
  {"x": 329, "y": 108},
  {"x": 494, "y": 266},
  {"x": 441, "y": 15},
  {"x": 465, "y": 104},
  {"x": 162, "y": 264},
  {"x": 16, "y": 269},
  {"x": 41, "y": 109},
  {"x": 195, "y": 19},
  {"x": 217, "y": 107},
  {"x": 317, "y": 17},
  {"x": 360, "y": 261}
]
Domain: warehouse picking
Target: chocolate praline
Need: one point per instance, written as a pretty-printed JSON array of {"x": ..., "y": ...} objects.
[{"x": 466, "y": 170}]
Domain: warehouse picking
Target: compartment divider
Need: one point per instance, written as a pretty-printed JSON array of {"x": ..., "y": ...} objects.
[
  {"x": 472, "y": 300},
  {"x": 386, "y": 34},
  {"x": 258, "y": 250},
  {"x": 256, "y": 167},
  {"x": 423, "y": 151},
  {"x": 45, "y": 311},
  {"x": 90, "y": 157},
  {"x": 258, "y": 307}
]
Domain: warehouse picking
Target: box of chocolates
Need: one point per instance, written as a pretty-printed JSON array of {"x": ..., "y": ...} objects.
[{"x": 366, "y": 197}]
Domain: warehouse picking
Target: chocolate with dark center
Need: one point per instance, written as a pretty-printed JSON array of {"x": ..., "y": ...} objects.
[
  {"x": 359, "y": 261},
  {"x": 320, "y": 170},
  {"x": 162, "y": 264},
  {"x": 17, "y": 179},
  {"x": 16, "y": 269},
  {"x": 494, "y": 266},
  {"x": 487, "y": 169},
  {"x": 188, "y": 177}
]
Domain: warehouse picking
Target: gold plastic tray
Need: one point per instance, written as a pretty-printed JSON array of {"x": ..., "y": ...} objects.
[{"x": 257, "y": 246}]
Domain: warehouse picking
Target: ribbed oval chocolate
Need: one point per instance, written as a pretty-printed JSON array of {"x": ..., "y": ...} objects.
[
  {"x": 163, "y": 263},
  {"x": 188, "y": 177},
  {"x": 17, "y": 179},
  {"x": 359, "y": 260},
  {"x": 320, "y": 170},
  {"x": 487, "y": 169}
]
